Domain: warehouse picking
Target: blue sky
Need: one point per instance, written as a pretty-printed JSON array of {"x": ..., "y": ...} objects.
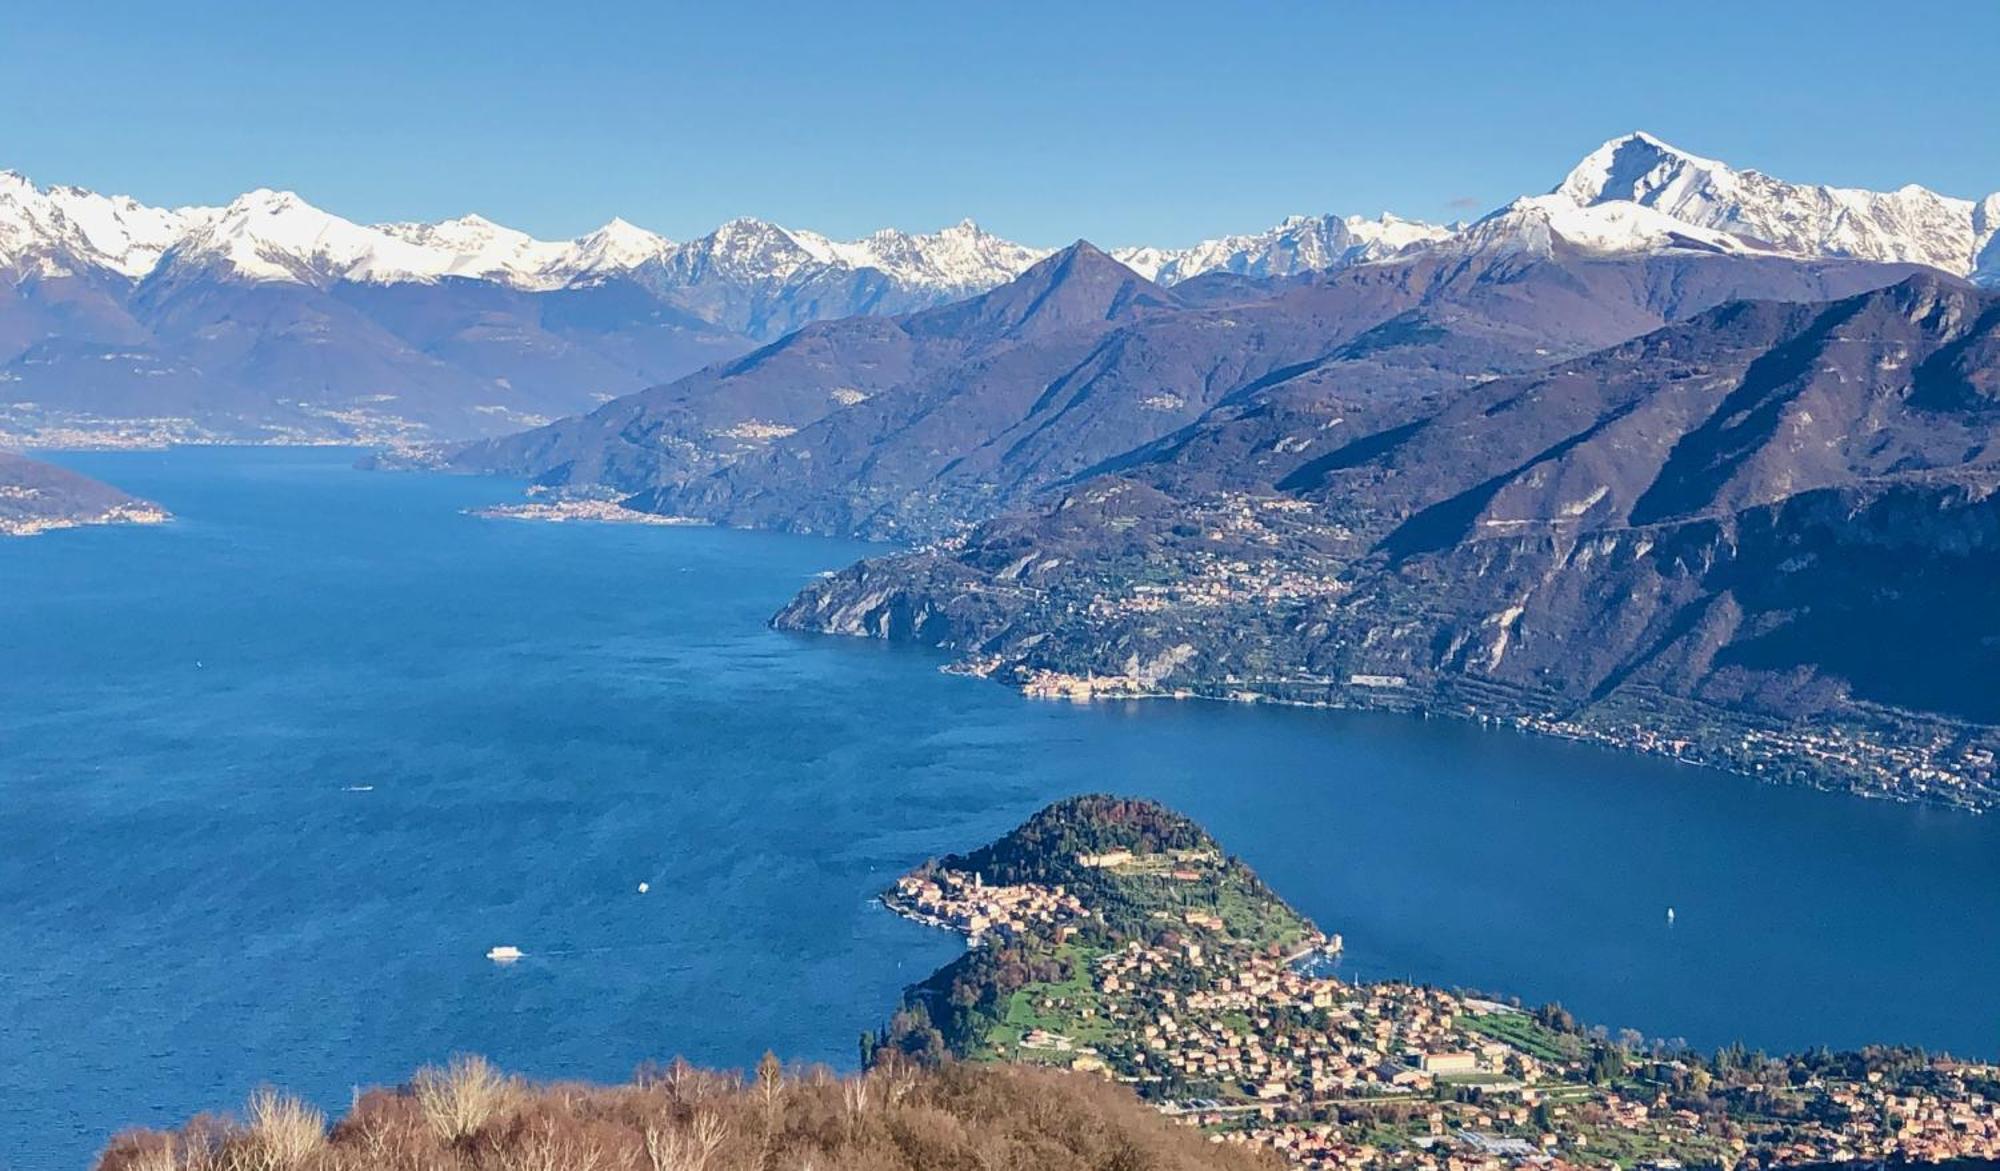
[{"x": 1159, "y": 122}]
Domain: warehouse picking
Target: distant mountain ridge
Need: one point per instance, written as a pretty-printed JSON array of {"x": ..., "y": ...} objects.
[
  {"x": 1299, "y": 244},
  {"x": 275, "y": 235},
  {"x": 267, "y": 235}
]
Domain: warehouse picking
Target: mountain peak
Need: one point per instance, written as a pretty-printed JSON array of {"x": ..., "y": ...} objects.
[
  {"x": 1084, "y": 250},
  {"x": 1080, "y": 259},
  {"x": 1298, "y": 243},
  {"x": 266, "y": 199},
  {"x": 1910, "y": 224},
  {"x": 618, "y": 247},
  {"x": 1631, "y": 167},
  {"x": 620, "y": 236},
  {"x": 746, "y": 225},
  {"x": 1077, "y": 285}
]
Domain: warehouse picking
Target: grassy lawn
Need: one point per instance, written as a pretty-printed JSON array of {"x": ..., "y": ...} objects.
[
  {"x": 1475, "y": 1079},
  {"x": 1527, "y": 1034},
  {"x": 1064, "y": 1015},
  {"x": 1626, "y": 1148}
]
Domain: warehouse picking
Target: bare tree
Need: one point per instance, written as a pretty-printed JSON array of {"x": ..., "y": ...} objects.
[{"x": 462, "y": 1097}]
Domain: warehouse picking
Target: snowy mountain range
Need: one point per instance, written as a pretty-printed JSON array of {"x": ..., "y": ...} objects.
[
  {"x": 272, "y": 318},
  {"x": 1634, "y": 193},
  {"x": 269, "y": 235},
  {"x": 1299, "y": 244}
]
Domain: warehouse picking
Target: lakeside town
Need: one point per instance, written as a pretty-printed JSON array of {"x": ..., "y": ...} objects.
[
  {"x": 1940, "y": 768},
  {"x": 587, "y": 510},
  {"x": 1241, "y": 589},
  {"x": 19, "y": 515},
  {"x": 1230, "y": 1016}
]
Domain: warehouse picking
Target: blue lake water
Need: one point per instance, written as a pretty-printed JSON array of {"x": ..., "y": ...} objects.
[{"x": 273, "y": 778}]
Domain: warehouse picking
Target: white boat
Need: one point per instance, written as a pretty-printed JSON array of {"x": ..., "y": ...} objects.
[{"x": 504, "y": 954}]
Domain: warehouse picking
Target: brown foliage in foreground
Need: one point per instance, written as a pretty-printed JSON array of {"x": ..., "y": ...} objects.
[{"x": 469, "y": 1117}]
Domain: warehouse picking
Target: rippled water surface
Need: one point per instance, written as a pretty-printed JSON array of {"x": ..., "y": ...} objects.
[{"x": 273, "y": 778}]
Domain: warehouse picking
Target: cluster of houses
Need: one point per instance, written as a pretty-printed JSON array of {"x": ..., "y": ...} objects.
[
  {"x": 1888, "y": 1122},
  {"x": 1205, "y": 1011},
  {"x": 960, "y": 901},
  {"x": 1943, "y": 770},
  {"x": 1218, "y": 581},
  {"x": 1266, "y": 1049},
  {"x": 1045, "y": 684},
  {"x": 1238, "y": 1026},
  {"x": 1325, "y": 1145}
]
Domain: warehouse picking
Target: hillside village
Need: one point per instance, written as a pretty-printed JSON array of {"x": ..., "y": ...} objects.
[{"x": 1257, "y": 1040}]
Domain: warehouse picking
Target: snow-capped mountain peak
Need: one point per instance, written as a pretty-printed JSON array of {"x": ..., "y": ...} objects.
[
  {"x": 1911, "y": 223},
  {"x": 747, "y": 248},
  {"x": 57, "y": 230},
  {"x": 267, "y": 235},
  {"x": 1540, "y": 224},
  {"x": 960, "y": 259},
  {"x": 963, "y": 256},
  {"x": 1986, "y": 229},
  {"x": 1388, "y": 234},
  {"x": 1296, "y": 244},
  {"x": 470, "y": 246},
  {"x": 1639, "y": 168},
  {"x": 617, "y": 247}
]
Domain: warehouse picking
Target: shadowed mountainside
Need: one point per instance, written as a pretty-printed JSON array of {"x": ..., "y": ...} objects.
[
  {"x": 1776, "y": 511},
  {"x": 911, "y": 427}
]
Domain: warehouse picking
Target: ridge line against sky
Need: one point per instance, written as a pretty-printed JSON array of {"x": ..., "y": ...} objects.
[{"x": 1160, "y": 124}]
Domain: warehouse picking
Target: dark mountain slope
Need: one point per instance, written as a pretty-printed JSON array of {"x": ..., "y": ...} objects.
[
  {"x": 670, "y": 434},
  {"x": 935, "y": 454},
  {"x": 966, "y": 415},
  {"x": 1475, "y": 325},
  {"x": 1760, "y": 537},
  {"x": 81, "y": 306}
]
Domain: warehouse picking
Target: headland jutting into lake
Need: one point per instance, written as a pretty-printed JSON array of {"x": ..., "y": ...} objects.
[{"x": 1115, "y": 937}]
